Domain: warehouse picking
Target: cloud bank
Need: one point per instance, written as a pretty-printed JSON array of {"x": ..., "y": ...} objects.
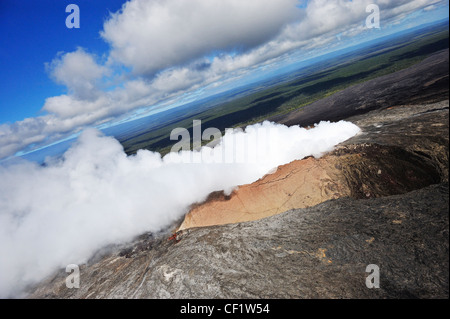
[
  {"x": 61, "y": 213},
  {"x": 153, "y": 35}
]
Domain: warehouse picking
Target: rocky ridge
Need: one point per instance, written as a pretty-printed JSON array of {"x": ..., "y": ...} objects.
[{"x": 371, "y": 164}]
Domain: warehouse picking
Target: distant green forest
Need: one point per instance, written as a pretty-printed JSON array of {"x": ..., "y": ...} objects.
[{"x": 321, "y": 81}]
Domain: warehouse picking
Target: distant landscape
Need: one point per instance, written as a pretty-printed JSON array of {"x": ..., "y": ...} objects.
[
  {"x": 278, "y": 95},
  {"x": 289, "y": 92}
]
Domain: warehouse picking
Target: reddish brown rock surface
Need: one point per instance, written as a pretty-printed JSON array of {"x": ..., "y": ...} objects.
[{"x": 299, "y": 184}]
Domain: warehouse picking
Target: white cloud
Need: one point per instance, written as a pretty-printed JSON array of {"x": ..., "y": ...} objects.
[
  {"x": 79, "y": 72},
  {"x": 62, "y": 213},
  {"x": 322, "y": 17},
  {"x": 13, "y": 137},
  {"x": 67, "y": 106},
  {"x": 152, "y": 35}
]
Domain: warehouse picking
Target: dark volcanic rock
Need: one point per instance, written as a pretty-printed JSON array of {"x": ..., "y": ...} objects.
[
  {"x": 420, "y": 130},
  {"x": 425, "y": 82},
  {"x": 318, "y": 252},
  {"x": 399, "y": 149}
]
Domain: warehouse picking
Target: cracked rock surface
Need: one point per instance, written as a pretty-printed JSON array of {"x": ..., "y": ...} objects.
[{"x": 317, "y": 252}]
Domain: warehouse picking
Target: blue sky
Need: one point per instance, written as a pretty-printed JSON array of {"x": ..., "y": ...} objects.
[
  {"x": 56, "y": 81},
  {"x": 31, "y": 33}
]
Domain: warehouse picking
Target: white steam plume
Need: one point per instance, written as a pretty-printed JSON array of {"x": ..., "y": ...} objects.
[{"x": 61, "y": 213}]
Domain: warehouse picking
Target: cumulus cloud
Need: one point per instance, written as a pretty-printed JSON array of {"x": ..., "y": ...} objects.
[
  {"x": 152, "y": 35},
  {"x": 323, "y": 16},
  {"x": 79, "y": 72},
  {"x": 62, "y": 213},
  {"x": 70, "y": 107},
  {"x": 13, "y": 137}
]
